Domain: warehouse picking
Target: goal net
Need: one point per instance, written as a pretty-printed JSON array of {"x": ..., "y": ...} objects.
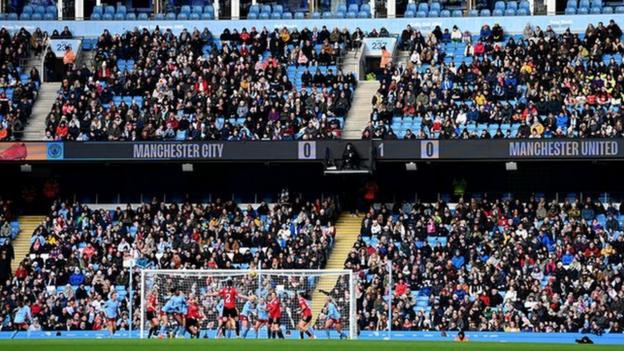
[{"x": 198, "y": 287}]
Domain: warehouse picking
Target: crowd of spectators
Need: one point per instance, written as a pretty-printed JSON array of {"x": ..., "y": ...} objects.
[
  {"x": 541, "y": 84},
  {"x": 488, "y": 264},
  {"x": 81, "y": 254},
  {"x": 248, "y": 85},
  {"x": 18, "y": 89}
]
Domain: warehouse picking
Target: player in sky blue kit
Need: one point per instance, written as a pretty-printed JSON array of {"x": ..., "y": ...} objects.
[
  {"x": 262, "y": 315},
  {"x": 111, "y": 310},
  {"x": 245, "y": 315},
  {"x": 177, "y": 306},
  {"x": 333, "y": 318},
  {"x": 22, "y": 317}
]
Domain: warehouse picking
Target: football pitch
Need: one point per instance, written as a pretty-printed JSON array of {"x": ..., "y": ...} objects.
[{"x": 280, "y": 345}]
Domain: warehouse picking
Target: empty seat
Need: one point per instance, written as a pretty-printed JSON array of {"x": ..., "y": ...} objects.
[
  {"x": 445, "y": 13},
  {"x": 351, "y": 14},
  {"x": 120, "y": 17},
  {"x": 421, "y": 14},
  {"x": 363, "y": 14},
  {"x": 143, "y": 16},
  {"x": 252, "y": 15},
  {"x": 512, "y": 5},
  {"x": 107, "y": 17},
  {"x": 276, "y": 15},
  {"x": 596, "y": 10},
  {"x": 194, "y": 16},
  {"x": 266, "y": 9},
  {"x": 109, "y": 10},
  {"x": 25, "y": 16},
  {"x": 131, "y": 16},
  {"x": 182, "y": 16},
  {"x": 28, "y": 9},
  {"x": 354, "y": 8},
  {"x": 340, "y": 14},
  {"x": 39, "y": 9},
  {"x": 607, "y": 10},
  {"x": 186, "y": 9},
  {"x": 473, "y": 13},
  {"x": 497, "y": 12},
  {"x": 299, "y": 15},
  {"x": 582, "y": 11},
  {"x": 458, "y": 13},
  {"x": 485, "y": 13},
  {"x": 49, "y": 17},
  {"x": 278, "y": 8},
  {"x": 287, "y": 15},
  {"x": 158, "y": 16},
  {"x": 12, "y": 16},
  {"x": 435, "y": 6},
  {"x": 170, "y": 16},
  {"x": 619, "y": 9},
  {"x": 37, "y": 16},
  {"x": 253, "y": 9},
  {"x": 341, "y": 8},
  {"x": 121, "y": 9},
  {"x": 264, "y": 16},
  {"x": 570, "y": 11},
  {"x": 423, "y": 6},
  {"x": 209, "y": 9},
  {"x": 522, "y": 12},
  {"x": 409, "y": 14},
  {"x": 510, "y": 12},
  {"x": 499, "y": 5},
  {"x": 210, "y": 16},
  {"x": 317, "y": 15},
  {"x": 197, "y": 9},
  {"x": 433, "y": 13}
]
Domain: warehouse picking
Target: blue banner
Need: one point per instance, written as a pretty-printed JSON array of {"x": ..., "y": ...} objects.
[
  {"x": 502, "y": 337},
  {"x": 473, "y": 24}
]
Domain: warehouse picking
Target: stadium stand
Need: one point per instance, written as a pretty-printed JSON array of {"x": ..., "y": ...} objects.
[
  {"x": 540, "y": 84},
  {"x": 18, "y": 88},
  {"x": 77, "y": 255},
  {"x": 493, "y": 264},
  {"x": 247, "y": 85}
]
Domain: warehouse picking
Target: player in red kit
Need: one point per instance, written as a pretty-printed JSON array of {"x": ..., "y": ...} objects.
[
  {"x": 275, "y": 312},
  {"x": 152, "y": 313},
  {"x": 229, "y": 294},
  {"x": 306, "y": 316},
  {"x": 193, "y": 316}
]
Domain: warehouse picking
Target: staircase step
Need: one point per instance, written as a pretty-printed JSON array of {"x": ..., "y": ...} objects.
[{"x": 21, "y": 244}]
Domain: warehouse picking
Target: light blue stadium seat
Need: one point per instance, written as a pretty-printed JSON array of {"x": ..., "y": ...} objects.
[
  {"x": 485, "y": 13},
  {"x": 473, "y": 13},
  {"x": 522, "y": 12},
  {"x": 109, "y": 9},
  {"x": 499, "y": 5},
  {"x": 120, "y": 17},
  {"x": 49, "y": 17},
  {"x": 265, "y": 9},
  {"x": 582, "y": 11},
  {"x": 12, "y": 16},
  {"x": 421, "y": 14},
  {"x": 98, "y": 9},
  {"x": 299, "y": 15},
  {"x": 143, "y": 16},
  {"x": 354, "y": 8},
  {"x": 571, "y": 4},
  {"x": 209, "y": 9},
  {"x": 170, "y": 16},
  {"x": 584, "y": 3},
  {"x": 51, "y": 9},
  {"x": 287, "y": 15},
  {"x": 435, "y": 6},
  {"x": 512, "y": 5},
  {"x": 525, "y": 5},
  {"x": 409, "y": 14},
  {"x": 159, "y": 17},
  {"x": 264, "y": 16},
  {"x": 107, "y": 17},
  {"x": 433, "y": 13},
  {"x": 36, "y": 17},
  {"x": 351, "y": 14},
  {"x": 28, "y": 9},
  {"x": 121, "y": 9},
  {"x": 197, "y": 9},
  {"x": 341, "y": 8},
  {"x": 445, "y": 13},
  {"x": 25, "y": 16},
  {"x": 276, "y": 15},
  {"x": 327, "y": 15},
  {"x": 340, "y": 15},
  {"x": 619, "y": 9},
  {"x": 607, "y": 10},
  {"x": 252, "y": 16},
  {"x": 96, "y": 17},
  {"x": 194, "y": 16},
  {"x": 596, "y": 10},
  {"x": 131, "y": 16},
  {"x": 363, "y": 14},
  {"x": 497, "y": 12},
  {"x": 254, "y": 9},
  {"x": 510, "y": 12},
  {"x": 317, "y": 15},
  {"x": 423, "y": 6},
  {"x": 186, "y": 9},
  {"x": 570, "y": 11},
  {"x": 39, "y": 9},
  {"x": 457, "y": 13},
  {"x": 278, "y": 8},
  {"x": 411, "y": 7},
  {"x": 365, "y": 7}
]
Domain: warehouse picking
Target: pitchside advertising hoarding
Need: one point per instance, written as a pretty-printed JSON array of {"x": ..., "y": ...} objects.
[{"x": 321, "y": 150}]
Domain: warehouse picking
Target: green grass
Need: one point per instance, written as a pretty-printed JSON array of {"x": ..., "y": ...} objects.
[{"x": 280, "y": 345}]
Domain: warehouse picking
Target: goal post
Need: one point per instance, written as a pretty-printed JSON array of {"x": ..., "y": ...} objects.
[{"x": 199, "y": 285}]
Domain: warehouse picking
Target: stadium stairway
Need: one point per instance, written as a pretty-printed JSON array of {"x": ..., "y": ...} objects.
[
  {"x": 361, "y": 109},
  {"x": 35, "y": 130},
  {"x": 347, "y": 233},
  {"x": 21, "y": 244}
]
